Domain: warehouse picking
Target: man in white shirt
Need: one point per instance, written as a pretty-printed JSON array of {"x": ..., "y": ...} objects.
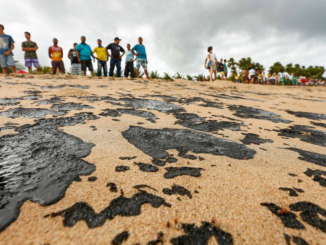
[{"x": 252, "y": 74}]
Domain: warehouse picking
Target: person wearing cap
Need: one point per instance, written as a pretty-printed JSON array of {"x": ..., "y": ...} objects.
[
  {"x": 75, "y": 64},
  {"x": 140, "y": 51},
  {"x": 7, "y": 45},
  {"x": 30, "y": 48},
  {"x": 116, "y": 56}
]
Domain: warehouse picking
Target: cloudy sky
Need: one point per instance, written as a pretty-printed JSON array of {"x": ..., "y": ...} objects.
[{"x": 177, "y": 32}]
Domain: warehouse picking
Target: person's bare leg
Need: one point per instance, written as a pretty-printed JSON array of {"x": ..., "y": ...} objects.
[
  {"x": 13, "y": 69},
  {"x": 211, "y": 74},
  {"x": 4, "y": 70},
  {"x": 92, "y": 73},
  {"x": 29, "y": 69},
  {"x": 215, "y": 78},
  {"x": 137, "y": 73},
  {"x": 39, "y": 70},
  {"x": 147, "y": 76},
  {"x": 84, "y": 73}
]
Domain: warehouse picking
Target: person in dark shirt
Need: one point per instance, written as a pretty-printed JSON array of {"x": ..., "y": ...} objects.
[
  {"x": 30, "y": 48},
  {"x": 115, "y": 56},
  {"x": 75, "y": 64}
]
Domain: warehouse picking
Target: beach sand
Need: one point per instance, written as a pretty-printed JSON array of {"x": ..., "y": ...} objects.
[{"x": 235, "y": 161}]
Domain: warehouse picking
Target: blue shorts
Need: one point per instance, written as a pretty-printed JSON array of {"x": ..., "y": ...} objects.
[
  {"x": 210, "y": 64},
  {"x": 6, "y": 61}
]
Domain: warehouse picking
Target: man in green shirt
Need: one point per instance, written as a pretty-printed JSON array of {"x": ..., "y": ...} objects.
[{"x": 30, "y": 48}]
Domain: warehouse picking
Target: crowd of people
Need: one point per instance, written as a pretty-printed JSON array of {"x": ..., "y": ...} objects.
[
  {"x": 252, "y": 76},
  {"x": 81, "y": 56},
  {"x": 259, "y": 77}
]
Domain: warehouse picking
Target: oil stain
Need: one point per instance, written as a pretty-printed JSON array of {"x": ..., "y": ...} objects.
[
  {"x": 176, "y": 189},
  {"x": 173, "y": 172},
  {"x": 254, "y": 139},
  {"x": 156, "y": 142},
  {"x": 39, "y": 164},
  {"x": 120, "y": 206},
  {"x": 317, "y": 174},
  {"x": 30, "y": 113}
]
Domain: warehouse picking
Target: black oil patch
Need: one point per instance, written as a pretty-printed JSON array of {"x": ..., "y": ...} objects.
[
  {"x": 254, "y": 139},
  {"x": 119, "y": 112},
  {"x": 309, "y": 115},
  {"x": 288, "y": 219},
  {"x": 299, "y": 241},
  {"x": 65, "y": 86},
  {"x": 166, "y": 98},
  {"x": 70, "y": 107},
  {"x": 122, "y": 168},
  {"x": 311, "y": 213},
  {"x": 305, "y": 133},
  {"x": 9, "y": 101},
  {"x": 120, "y": 238},
  {"x": 179, "y": 190},
  {"x": 173, "y": 172},
  {"x": 292, "y": 192},
  {"x": 323, "y": 125},
  {"x": 139, "y": 187},
  {"x": 32, "y": 92},
  {"x": 250, "y": 112},
  {"x": 113, "y": 187},
  {"x": 146, "y": 167},
  {"x": 135, "y": 103},
  {"x": 39, "y": 164},
  {"x": 309, "y": 156},
  {"x": 53, "y": 100},
  {"x": 158, "y": 162},
  {"x": 190, "y": 120},
  {"x": 317, "y": 174},
  {"x": 30, "y": 113},
  {"x": 127, "y": 158},
  {"x": 9, "y": 125},
  {"x": 201, "y": 235},
  {"x": 31, "y": 97},
  {"x": 92, "y": 179},
  {"x": 121, "y": 206},
  {"x": 156, "y": 142}
]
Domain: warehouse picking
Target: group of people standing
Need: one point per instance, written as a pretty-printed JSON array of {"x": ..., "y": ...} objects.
[
  {"x": 81, "y": 56},
  {"x": 214, "y": 66}
]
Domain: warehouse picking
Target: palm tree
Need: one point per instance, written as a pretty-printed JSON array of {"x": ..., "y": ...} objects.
[
  {"x": 245, "y": 63},
  {"x": 233, "y": 65},
  {"x": 276, "y": 68},
  {"x": 289, "y": 68},
  {"x": 258, "y": 67}
]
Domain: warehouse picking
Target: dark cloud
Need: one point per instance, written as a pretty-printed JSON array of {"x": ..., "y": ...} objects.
[{"x": 177, "y": 33}]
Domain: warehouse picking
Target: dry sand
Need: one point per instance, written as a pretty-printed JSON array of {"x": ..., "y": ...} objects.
[{"x": 229, "y": 192}]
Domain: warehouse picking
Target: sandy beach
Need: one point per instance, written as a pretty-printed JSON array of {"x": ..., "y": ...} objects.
[{"x": 116, "y": 161}]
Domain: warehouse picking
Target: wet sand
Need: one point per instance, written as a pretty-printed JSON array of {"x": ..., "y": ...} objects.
[{"x": 105, "y": 161}]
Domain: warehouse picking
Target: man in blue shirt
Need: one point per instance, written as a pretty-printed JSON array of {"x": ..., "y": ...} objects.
[
  {"x": 6, "y": 47},
  {"x": 129, "y": 63},
  {"x": 84, "y": 54},
  {"x": 140, "y": 51}
]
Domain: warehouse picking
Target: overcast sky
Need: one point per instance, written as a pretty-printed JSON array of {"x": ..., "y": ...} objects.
[{"x": 177, "y": 32}]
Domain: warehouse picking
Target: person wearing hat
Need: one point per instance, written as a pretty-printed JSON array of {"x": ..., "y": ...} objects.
[{"x": 116, "y": 56}]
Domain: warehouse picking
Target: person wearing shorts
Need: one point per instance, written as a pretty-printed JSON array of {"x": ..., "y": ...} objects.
[
  {"x": 56, "y": 54},
  {"x": 7, "y": 45},
  {"x": 75, "y": 64},
  {"x": 252, "y": 75},
  {"x": 84, "y": 54},
  {"x": 140, "y": 51},
  {"x": 211, "y": 57},
  {"x": 225, "y": 70},
  {"x": 30, "y": 48}
]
